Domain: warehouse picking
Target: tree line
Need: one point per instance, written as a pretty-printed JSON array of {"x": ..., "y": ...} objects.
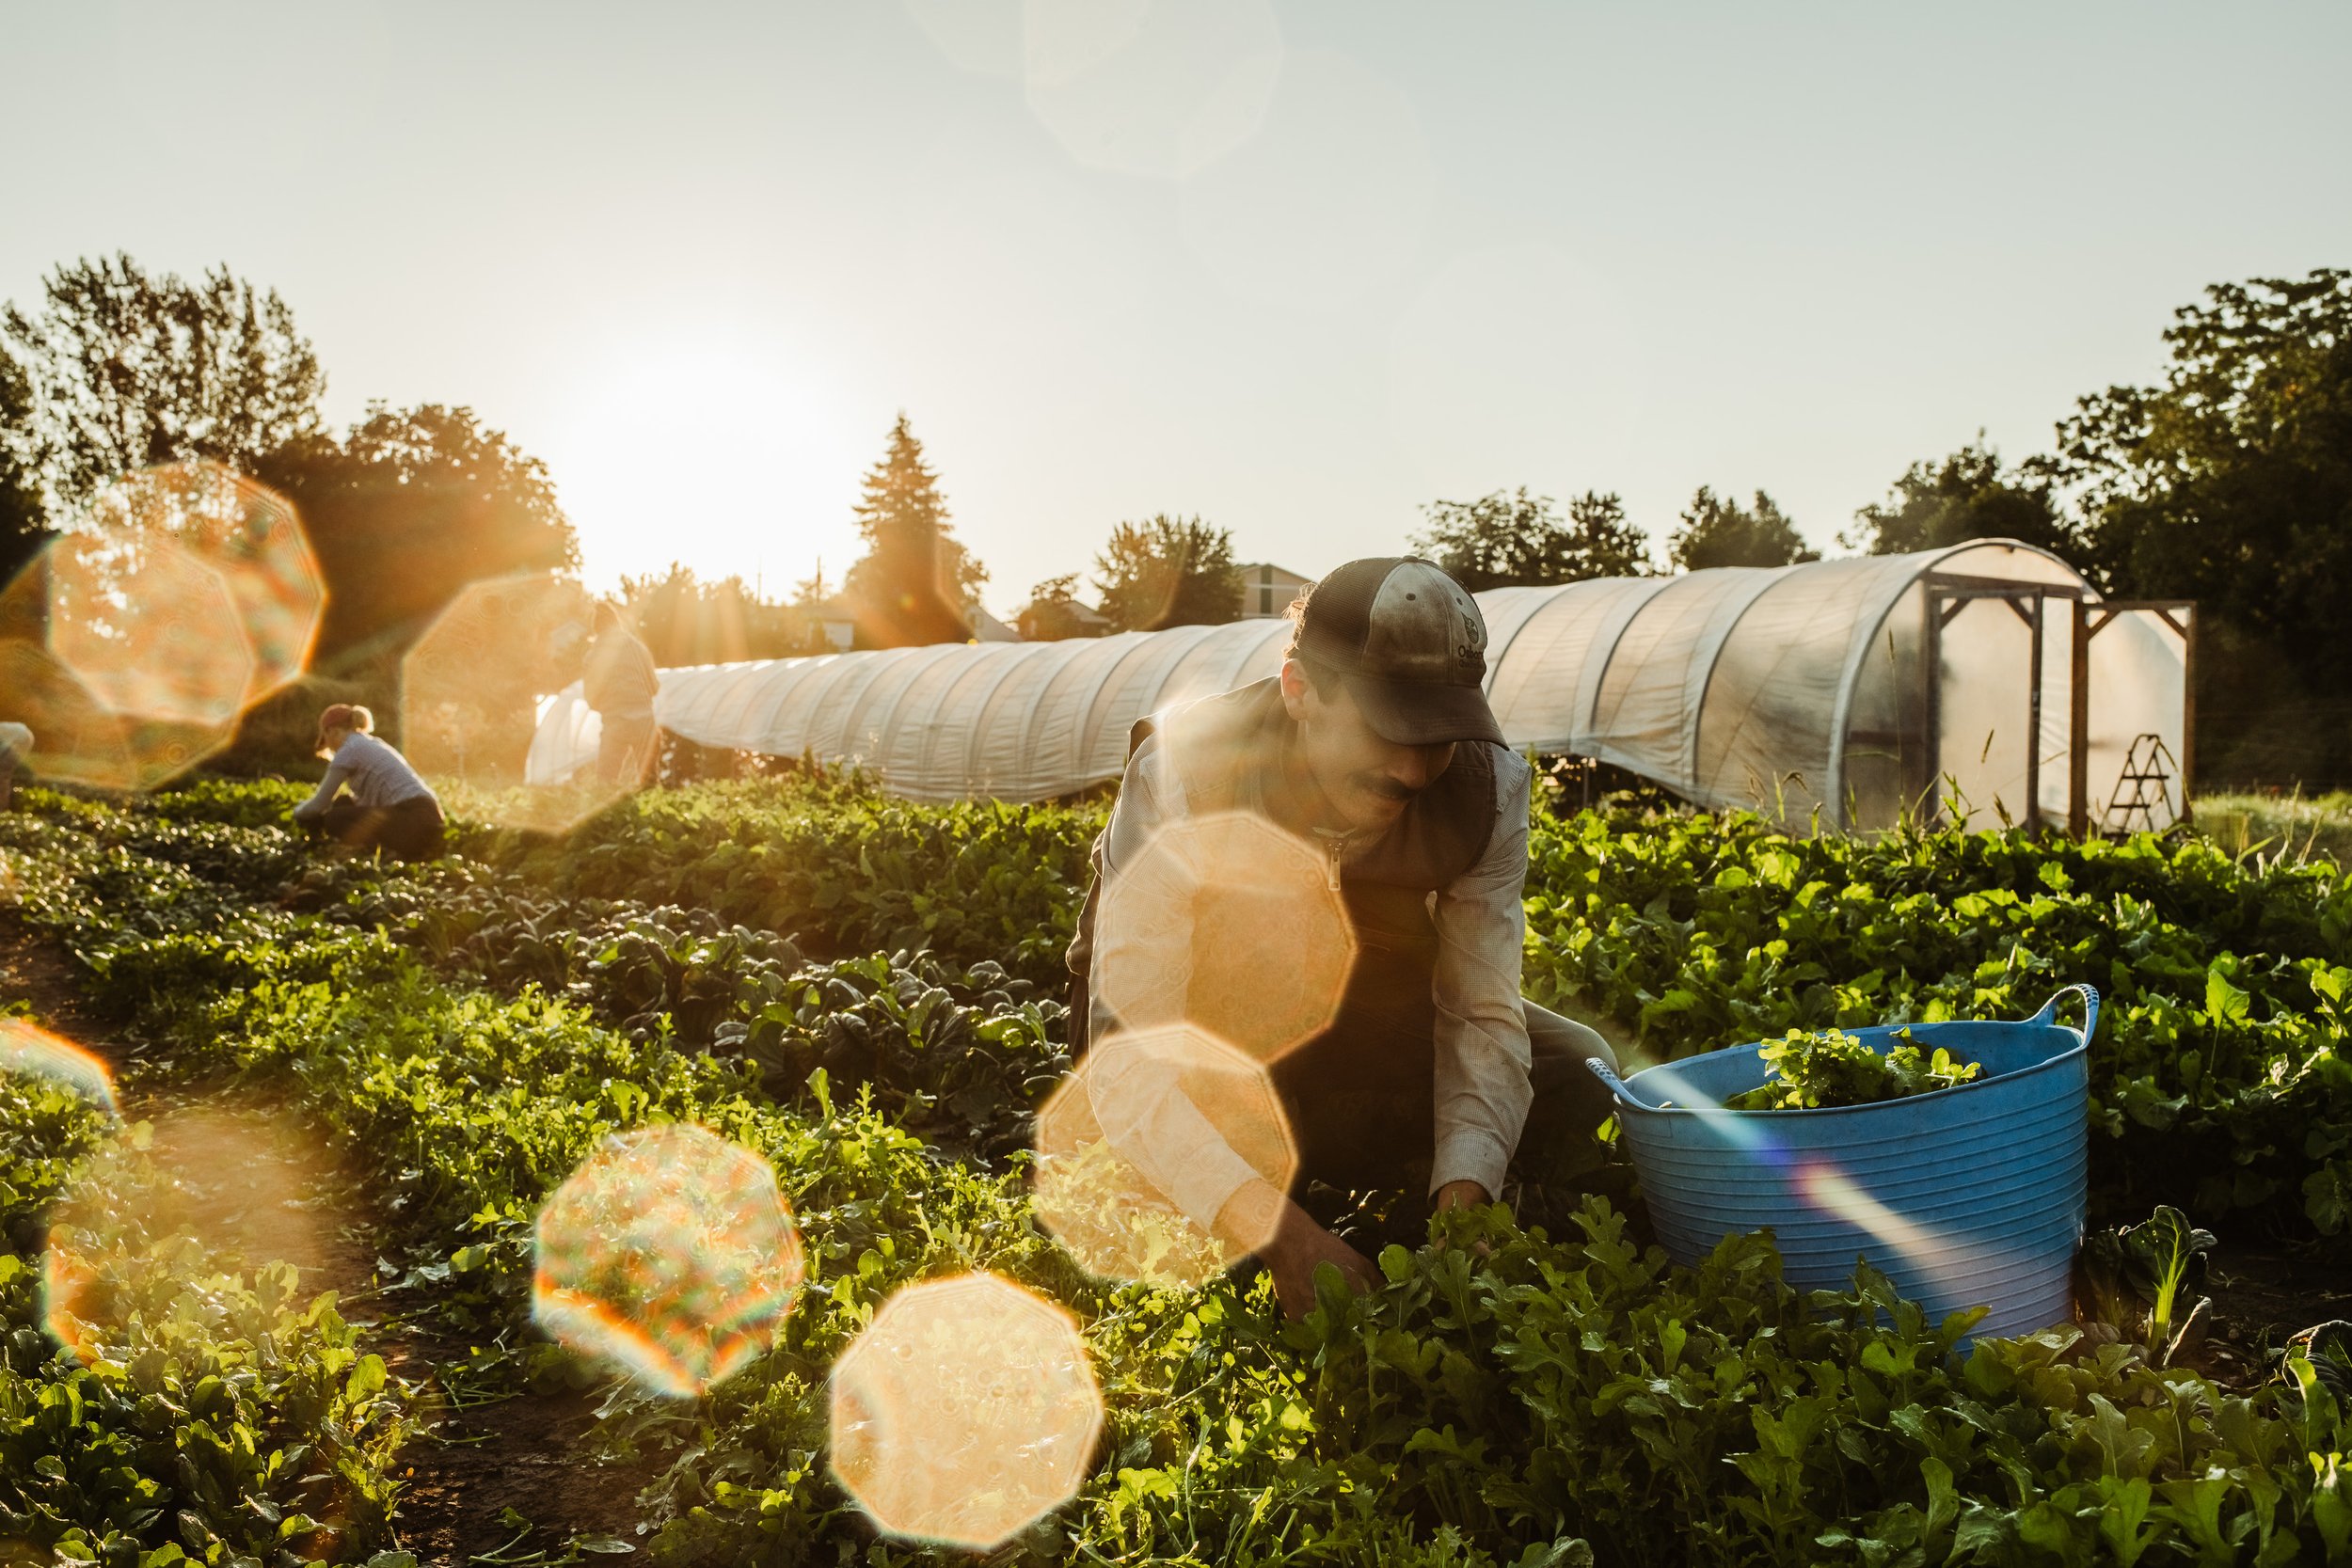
[{"x": 2229, "y": 481}]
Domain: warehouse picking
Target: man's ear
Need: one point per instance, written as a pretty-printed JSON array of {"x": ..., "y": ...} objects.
[{"x": 1295, "y": 689}]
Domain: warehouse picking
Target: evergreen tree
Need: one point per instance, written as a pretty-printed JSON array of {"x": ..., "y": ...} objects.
[
  {"x": 916, "y": 582},
  {"x": 1717, "y": 532}
]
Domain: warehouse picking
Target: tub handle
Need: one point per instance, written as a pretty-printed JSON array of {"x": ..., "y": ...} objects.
[
  {"x": 1610, "y": 1080},
  {"x": 2089, "y": 994}
]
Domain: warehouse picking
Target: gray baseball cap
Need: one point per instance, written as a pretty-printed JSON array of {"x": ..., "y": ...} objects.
[{"x": 1411, "y": 645}]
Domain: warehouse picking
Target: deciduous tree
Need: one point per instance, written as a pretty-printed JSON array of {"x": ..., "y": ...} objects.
[
  {"x": 1054, "y": 612},
  {"x": 1168, "y": 572},
  {"x": 1511, "y": 539},
  {"x": 23, "y": 459},
  {"x": 2230, "y": 481},
  {"x": 405, "y": 510},
  {"x": 1717, "y": 532},
  {"x": 130, "y": 368},
  {"x": 685, "y": 620},
  {"x": 1966, "y": 495}
]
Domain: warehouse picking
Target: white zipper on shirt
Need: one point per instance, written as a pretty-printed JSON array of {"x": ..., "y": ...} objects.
[{"x": 1335, "y": 848}]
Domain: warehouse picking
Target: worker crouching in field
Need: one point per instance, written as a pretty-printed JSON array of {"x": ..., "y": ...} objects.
[
  {"x": 15, "y": 741},
  {"x": 1376, "y": 746},
  {"x": 390, "y": 808}
]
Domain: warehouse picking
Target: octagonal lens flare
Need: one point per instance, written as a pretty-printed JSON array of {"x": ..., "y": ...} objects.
[
  {"x": 470, "y": 692},
  {"x": 1130, "y": 1148},
  {"x": 1271, "y": 941},
  {"x": 31, "y": 1051},
  {"x": 179, "y": 597},
  {"x": 966, "y": 1412},
  {"x": 671, "y": 1253},
  {"x": 151, "y": 630},
  {"x": 247, "y": 535},
  {"x": 201, "y": 1188},
  {"x": 78, "y": 740}
]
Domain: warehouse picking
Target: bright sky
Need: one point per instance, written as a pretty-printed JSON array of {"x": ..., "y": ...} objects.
[{"x": 1296, "y": 267}]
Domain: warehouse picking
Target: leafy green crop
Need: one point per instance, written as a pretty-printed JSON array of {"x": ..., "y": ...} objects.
[
  {"x": 2147, "y": 1271},
  {"x": 1819, "y": 1069},
  {"x": 2216, "y": 1080},
  {"x": 214, "y": 1416},
  {"x": 831, "y": 861},
  {"x": 1504, "y": 1397}
]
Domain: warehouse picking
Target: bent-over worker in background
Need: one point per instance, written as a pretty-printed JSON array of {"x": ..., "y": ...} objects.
[
  {"x": 619, "y": 684},
  {"x": 1376, "y": 744},
  {"x": 15, "y": 741},
  {"x": 389, "y": 808}
]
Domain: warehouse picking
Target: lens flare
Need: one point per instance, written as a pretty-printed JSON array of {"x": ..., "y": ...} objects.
[
  {"x": 470, "y": 692},
  {"x": 248, "y": 535},
  {"x": 671, "y": 1253},
  {"x": 70, "y": 1307},
  {"x": 1159, "y": 1098},
  {"x": 34, "y": 1052},
  {"x": 1906, "y": 1248},
  {"x": 1897, "y": 1245},
  {"x": 180, "y": 597},
  {"x": 78, "y": 740},
  {"x": 1270, "y": 941},
  {"x": 966, "y": 1412},
  {"x": 199, "y": 1189},
  {"x": 151, "y": 629}
]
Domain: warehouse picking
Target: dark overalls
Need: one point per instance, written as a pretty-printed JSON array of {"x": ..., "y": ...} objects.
[{"x": 1360, "y": 1095}]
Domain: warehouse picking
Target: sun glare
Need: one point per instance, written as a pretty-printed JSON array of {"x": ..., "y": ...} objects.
[{"x": 717, "y": 449}]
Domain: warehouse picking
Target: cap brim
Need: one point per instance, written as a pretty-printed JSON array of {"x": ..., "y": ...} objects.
[{"x": 1413, "y": 713}]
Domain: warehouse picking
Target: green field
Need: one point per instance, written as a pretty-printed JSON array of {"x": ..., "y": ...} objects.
[
  {"x": 867, "y": 993},
  {"x": 2288, "y": 826}
]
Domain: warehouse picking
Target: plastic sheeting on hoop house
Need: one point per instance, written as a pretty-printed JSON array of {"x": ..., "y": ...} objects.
[{"x": 1796, "y": 690}]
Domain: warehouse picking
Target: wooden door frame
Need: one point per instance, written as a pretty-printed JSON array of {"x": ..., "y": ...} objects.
[
  {"x": 1948, "y": 594},
  {"x": 2090, "y": 619}
]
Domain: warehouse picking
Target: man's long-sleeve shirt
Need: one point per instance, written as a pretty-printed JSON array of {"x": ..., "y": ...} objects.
[{"x": 1141, "y": 971}]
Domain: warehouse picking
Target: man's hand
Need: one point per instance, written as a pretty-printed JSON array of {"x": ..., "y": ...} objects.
[
  {"x": 1461, "y": 1195},
  {"x": 1298, "y": 1244}
]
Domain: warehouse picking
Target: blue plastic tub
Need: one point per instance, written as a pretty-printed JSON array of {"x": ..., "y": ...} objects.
[{"x": 1966, "y": 1196}]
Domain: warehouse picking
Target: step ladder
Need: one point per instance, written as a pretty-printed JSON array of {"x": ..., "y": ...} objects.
[{"x": 2142, "y": 787}]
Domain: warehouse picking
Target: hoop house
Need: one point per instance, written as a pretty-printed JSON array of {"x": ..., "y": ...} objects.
[{"x": 1988, "y": 678}]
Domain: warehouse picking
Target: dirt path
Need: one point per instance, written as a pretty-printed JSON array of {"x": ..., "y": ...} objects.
[{"x": 257, "y": 1177}]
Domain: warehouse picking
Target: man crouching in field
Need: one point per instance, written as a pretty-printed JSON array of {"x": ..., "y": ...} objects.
[{"x": 1376, "y": 746}]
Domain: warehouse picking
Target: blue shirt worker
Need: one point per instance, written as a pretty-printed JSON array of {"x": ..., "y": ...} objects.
[{"x": 388, "y": 807}]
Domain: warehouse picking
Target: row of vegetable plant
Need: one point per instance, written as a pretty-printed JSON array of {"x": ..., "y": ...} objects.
[
  {"x": 1573, "y": 1391},
  {"x": 2218, "y": 1078},
  {"x": 172, "y": 1405}
]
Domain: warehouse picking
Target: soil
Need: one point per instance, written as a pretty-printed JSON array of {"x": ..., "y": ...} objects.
[
  {"x": 254, "y": 1176},
  {"x": 2266, "y": 1292}
]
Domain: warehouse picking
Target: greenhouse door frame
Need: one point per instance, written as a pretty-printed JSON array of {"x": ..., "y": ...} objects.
[
  {"x": 1949, "y": 592},
  {"x": 2089, "y": 620}
]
